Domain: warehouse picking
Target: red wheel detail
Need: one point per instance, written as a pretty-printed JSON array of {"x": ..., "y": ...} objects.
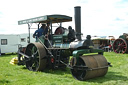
[{"x": 120, "y": 46}]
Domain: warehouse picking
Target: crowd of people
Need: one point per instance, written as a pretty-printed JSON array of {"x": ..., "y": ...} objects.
[{"x": 105, "y": 47}]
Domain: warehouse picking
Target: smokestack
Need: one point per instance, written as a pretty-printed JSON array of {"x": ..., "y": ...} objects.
[{"x": 78, "y": 22}]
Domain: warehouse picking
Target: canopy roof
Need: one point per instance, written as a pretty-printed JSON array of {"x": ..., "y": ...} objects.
[{"x": 47, "y": 18}]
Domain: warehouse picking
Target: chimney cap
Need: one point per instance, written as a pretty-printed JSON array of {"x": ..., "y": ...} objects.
[{"x": 77, "y": 7}]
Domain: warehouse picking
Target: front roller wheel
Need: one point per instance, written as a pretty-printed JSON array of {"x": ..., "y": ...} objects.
[
  {"x": 120, "y": 46},
  {"x": 90, "y": 66},
  {"x": 77, "y": 73},
  {"x": 36, "y": 60}
]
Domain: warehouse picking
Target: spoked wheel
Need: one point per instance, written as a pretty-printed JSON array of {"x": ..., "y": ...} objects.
[
  {"x": 120, "y": 46},
  {"x": 36, "y": 60}
]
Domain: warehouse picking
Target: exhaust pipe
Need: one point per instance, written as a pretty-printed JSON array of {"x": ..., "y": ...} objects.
[{"x": 78, "y": 22}]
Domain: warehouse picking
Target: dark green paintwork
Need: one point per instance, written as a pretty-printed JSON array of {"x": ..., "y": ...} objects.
[
  {"x": 78, "y": 53},
  {"x": 124, "y": 37}
]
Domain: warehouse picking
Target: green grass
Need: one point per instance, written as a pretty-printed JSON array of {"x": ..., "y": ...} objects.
[{"x": 19, "y": 75}]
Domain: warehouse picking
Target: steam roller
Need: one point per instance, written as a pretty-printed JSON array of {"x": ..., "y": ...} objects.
[{"x": 66, "y": 49}]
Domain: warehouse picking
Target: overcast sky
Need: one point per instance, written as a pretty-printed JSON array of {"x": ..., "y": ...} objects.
[{"x": 98, "y": 17}]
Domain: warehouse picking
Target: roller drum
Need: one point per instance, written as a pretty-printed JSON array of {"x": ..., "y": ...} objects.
[{"x": 97, "y": 66}]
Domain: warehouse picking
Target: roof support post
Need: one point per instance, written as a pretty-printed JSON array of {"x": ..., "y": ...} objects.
[
  {"x": 29, "y": 32},
  {"x": 51, "y": 35},
  {"x": 38, "y": 25}
]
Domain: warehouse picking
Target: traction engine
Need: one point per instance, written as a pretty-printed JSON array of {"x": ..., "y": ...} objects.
[
  {"x": 85, "y": 63},
  {"x": 120, "y": 45}
]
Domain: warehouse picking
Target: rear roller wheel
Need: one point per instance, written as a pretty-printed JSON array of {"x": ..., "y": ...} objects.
[
  {"x": 36, "y": 60},
  {"x": 120, "y": 46}
]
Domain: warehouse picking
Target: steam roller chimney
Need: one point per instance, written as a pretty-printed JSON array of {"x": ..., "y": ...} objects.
[{"x": 78, "y": 22}]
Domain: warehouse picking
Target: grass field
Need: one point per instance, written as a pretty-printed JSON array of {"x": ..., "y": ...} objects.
[{"x": 19, "y": 75}]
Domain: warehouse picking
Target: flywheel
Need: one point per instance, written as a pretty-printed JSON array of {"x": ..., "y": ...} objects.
[{"x": 36, "y": 60}]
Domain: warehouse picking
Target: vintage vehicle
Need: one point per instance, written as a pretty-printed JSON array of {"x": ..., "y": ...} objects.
[
  {"x": 63, "y": 43},
  {"x": 120, "y": 45}
]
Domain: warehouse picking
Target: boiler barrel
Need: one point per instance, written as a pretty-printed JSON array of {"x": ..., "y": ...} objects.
[{"x": 97, "y": 66}]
